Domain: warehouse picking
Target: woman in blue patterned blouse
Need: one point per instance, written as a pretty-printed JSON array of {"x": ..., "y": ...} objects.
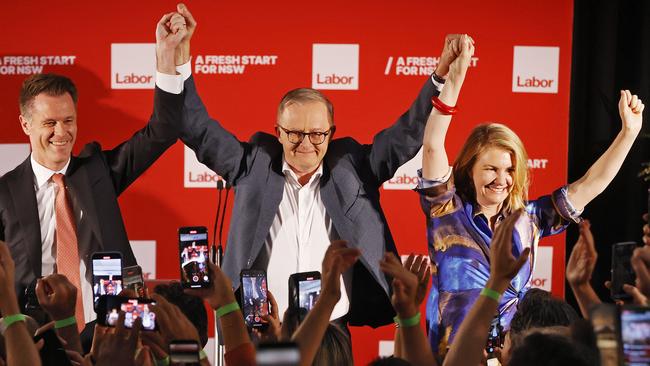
[{"x": 489, "y": 179}]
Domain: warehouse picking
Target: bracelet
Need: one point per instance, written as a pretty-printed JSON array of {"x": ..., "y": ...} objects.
[
  {"x": 488, "y": 292},
  {"x": 164, "y": 362},
  {"x": 409, "y": 322},
  {"x": 8, "y": 320},
  {"x": 442, "y": 107},
  {"x": 227, "y": 309},
  {"x": 65, "y": 322},
  {"x": 202, "y": 355}
]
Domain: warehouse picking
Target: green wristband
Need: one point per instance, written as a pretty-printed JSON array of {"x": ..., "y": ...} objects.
[
  {"x": 164, "y": 362},
  {"x": 409, "y": 322},
  {"x": 488, "y": 292},
  {"x": 202, "y": 355},
  {"x": 11, "y": 319},
  {"x": 65, "y": 322},
  {"x": 227, "y": 309}
]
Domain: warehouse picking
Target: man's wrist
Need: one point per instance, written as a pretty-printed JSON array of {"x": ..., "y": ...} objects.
[
  {"x": 9, "y": 303},
  {"x": 499, "y": 286},
  {"x": 165, "y": 61},
  {"x": 407, "y": 311}
]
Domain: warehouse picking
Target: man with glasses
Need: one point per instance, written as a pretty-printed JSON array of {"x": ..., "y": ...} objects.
[{"x": 301, "y": 189}]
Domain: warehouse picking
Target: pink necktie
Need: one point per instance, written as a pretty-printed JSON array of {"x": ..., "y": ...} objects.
[{"x": 67, "y": 250}]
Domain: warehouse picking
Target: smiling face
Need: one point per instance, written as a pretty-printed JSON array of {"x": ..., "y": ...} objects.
[
  {"x": 311, "y": 116},
  {"x": 492, "y": 175},
  {"x": 51, "y": 124}
]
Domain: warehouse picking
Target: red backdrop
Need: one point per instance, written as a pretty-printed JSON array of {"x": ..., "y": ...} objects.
[{"x": 158, "y": 203}]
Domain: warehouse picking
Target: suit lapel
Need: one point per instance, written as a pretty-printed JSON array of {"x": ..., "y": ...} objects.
[
  {"x": 24, "y": 200},
  {"x": 79, "y": 186},
  {"x": 271, "y": 201}
]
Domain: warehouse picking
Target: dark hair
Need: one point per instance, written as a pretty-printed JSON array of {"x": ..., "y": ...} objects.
[
  {"x": 550, "y": 349},
  {"x": 539, "y": 309},
  {"x": 50, "y": 84},
  {"x": 389, "y": 361},
  {"x": 335, "y": 348},
  {"x": 191, "y": 306}
]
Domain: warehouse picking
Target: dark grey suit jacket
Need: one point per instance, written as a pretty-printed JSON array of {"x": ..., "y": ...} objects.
[
  {"x": 94, "y": 179},
  {"x": 352, "y": 175}
]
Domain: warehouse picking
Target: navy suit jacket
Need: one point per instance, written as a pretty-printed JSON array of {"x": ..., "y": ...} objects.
[{"x": 352, "y": 175}]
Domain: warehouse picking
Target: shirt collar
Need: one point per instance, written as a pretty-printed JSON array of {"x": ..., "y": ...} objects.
[
  {"x": 43, "y": 174},
  {"x": 288, "y": 172}
]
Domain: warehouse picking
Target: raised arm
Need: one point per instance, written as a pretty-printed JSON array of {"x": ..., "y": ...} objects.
[
  {"x": 131, "y": 158},
  {"x": 19, "y": 347},
  {"x": 397, "y": 144},
  {"x": 435, "y": 163},
  {"x": 214, "y": 146},
  {"x": 580, "y": 267},
  {"x": 601, "y": 173},
  {"x": 309, "y": 335}
]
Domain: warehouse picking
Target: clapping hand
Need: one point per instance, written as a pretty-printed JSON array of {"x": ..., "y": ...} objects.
[{"x": 405, "y": 286}]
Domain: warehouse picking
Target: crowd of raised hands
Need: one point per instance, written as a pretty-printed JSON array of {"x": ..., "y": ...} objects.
[{"x": 119, "y": 345}]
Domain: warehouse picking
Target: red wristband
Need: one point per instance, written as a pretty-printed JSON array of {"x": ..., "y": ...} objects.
[{"x": 442, "y": 107}]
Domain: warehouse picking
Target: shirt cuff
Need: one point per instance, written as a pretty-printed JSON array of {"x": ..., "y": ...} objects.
[
  {"x": 564, "y": 207},
  {"x": 424, "y": 183},
  {"x": 437, "y": 83},
  {"x": 170, "y": 83},
  {"x": 174, "y": 83},
  {"x": 185, "y": 69}
]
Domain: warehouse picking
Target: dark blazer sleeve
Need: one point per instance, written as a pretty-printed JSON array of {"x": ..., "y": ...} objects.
[
  {"x": 214, "y": 146},
  {"x": 131, "y": 158},
  {"x": 399, "y": 143}
]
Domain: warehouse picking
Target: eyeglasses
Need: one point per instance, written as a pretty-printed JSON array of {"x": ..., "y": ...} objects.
[{"x": 316, "y": 138}]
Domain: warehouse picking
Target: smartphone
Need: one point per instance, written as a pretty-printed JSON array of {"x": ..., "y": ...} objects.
[
  {"x": 622, "y": 272},
  {"x": 133, "y": 280},
  {"x": 495, "y": 336},
  {"x": 254, "y": 300},
  {"x": 194, "y": 254},
  {"x": 53, "y": 353},
  {"x": 277, "y": 354},
  {"x": 109, "y": 307},
  {"x": 304, "y": 289},
  {"x": 185, "y": 352},
  {"x": 107, "y": 274},
  {"x": 635, "y": 335},
  {"x": 605, "y": 321}
]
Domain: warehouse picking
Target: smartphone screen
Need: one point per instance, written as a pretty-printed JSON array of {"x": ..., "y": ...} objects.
[
  {"x": 495, "y": 339},
  {"x": 308, "y": 292},
  {"x": 184, "y": 352},
  {"x": 107, "y": 274},
  {"x": 194, "y": 254},
  {"x": 133, "y": 308},
  {"x": 622, "y": 272},
  {"x": 133, "y": 279},
  {"x": 635, "y": 335},
  {"x": 254, "y": 300},
  {"x": 277, "y": 354}
]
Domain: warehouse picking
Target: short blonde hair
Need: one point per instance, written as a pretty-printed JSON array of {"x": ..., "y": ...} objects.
[{"x": 480, "y": 139}]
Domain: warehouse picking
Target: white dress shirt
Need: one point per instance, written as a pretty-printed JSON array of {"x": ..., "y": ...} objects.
[
  {"x": 46, "y": 191},
  {"x": 299, "y": 236}
]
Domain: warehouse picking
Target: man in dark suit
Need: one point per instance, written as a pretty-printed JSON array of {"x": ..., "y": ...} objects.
[
  {"x": 297, "y": 191},
  {"x": 57, "y": 209}
]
